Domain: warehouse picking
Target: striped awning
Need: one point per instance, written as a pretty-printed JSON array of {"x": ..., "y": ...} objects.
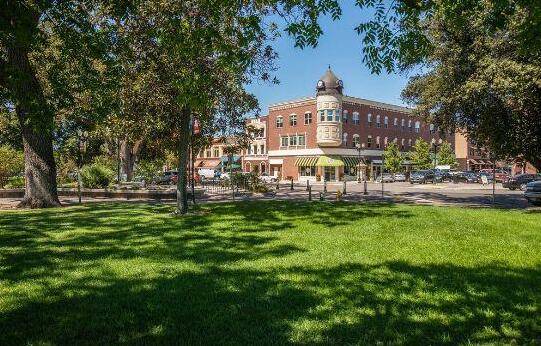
[
  {"x": 351, "y": 161},
  {"x": 306, "y": 161},
  {"x": 329, "y": 161}
]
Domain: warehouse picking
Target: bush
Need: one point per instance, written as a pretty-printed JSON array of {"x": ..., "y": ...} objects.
[
  {"x": 15, "y": 183},
  {"x": 11, "y": 163},
  {"x": 96, "y": 176},
  {"x": 148, "y": 170}
]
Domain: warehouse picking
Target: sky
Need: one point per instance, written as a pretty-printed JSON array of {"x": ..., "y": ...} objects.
[{"x": 341, "y": 47}]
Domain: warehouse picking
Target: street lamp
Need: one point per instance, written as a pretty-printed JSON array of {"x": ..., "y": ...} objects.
[
  {"x": 359, "y": 148},
  {"x": 382, "y": 168},
  {"x": 435, "y": 146},
  {"x": 82, "y": 137}
]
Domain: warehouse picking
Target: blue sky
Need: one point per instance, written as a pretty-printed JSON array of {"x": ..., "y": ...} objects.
[{"x": 341, "y": 47}]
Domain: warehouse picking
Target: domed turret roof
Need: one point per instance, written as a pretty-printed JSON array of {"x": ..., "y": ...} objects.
[{"x": 329, "y": 84}]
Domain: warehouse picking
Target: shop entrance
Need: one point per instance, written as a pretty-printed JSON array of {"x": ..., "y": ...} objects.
[{"x": 330, "y": 173}]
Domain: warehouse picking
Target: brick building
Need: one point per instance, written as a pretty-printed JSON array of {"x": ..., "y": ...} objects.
[{"x": 330, "y": 136}]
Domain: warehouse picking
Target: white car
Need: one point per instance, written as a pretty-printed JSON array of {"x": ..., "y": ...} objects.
[
  {"x": 399, "y": 177},
  {"x": 267, "y": 178}
]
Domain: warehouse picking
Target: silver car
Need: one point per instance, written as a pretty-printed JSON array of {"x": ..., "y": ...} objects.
[
  {"x": 533, "y": 192},
  {"x": 399, "y": 177},
  {"x": 387, "y": 178}
]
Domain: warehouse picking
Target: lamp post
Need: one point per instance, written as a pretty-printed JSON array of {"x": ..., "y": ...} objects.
[
  {"x": 435, "y": 146},
  {"x": 365, "y": 187},
  {"x": 358, "y": 146},
  {"x": 382, "y": 169},
  {"x": 81, "y": 145}
]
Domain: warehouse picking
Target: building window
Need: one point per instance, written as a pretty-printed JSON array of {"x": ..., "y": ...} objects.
[
  {"x": 307, "y": 171},
  {"x": 292, "y": 140},
  {"x": 216, "y": 152},
  {"x": 409, "y": 142},
  {"x": 356, "y": 118},
  {"x": 395, "y": 122},
  {"x": 369, "y": 119},
  {"x": 385, "y": 141},
  {"x": 386, "y": 122},
  {"x": 345, "y": 138},
  {"x": 284, "y": 141},
  {"x": 279, "y": 121},
  {"x": 402, "y": 144},
  {"x": 337, "y": 115},
  {"x": 377, "y": 142},
  {"x": 262, "y": 148},
  {"x": 369, "y": 142},
  {"x": 321, "y": 115},
  {"x": 307, "y": 118},
  {"x": 207, "y": 153},
  {"x": 409, "y": 124},
  {"x": 432, "y": 129},
  {"x": 301, "y": 140},
  {"x": 293, "y": 120},
  {"x": 417, "y": 126},
  {"x": 403, "y": 124},
  {"x": 378, "y": 121},
  {"x": 345, "y": 117},
  {"x": 330, "y": 114},
  {"x": 355, "y": 141}
]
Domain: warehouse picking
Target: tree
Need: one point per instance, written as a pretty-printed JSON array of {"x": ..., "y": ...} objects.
[
  {"x": 393, "y": 158},
  {"x": 11, "y": 163},
  {"x": 482, "y": 67},
  {"x": 446, "y": 155},
  {"x": 421, "y": 155}
]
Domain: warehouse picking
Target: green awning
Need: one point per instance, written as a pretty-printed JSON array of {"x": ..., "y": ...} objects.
[
  {"x": 330, "y": 161},
  {"x": 306, "y": 161},
  {"x": 351, "y": 161}
]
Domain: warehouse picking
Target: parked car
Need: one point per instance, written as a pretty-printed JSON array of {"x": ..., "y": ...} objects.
[
  {"x": 500, "y": 174},
  {"x": 519, "y": 181},
  {"x": 487, "y": 175},
  {"x": 422, "y": 177},
  {"x": 399, "y": 177},
  {"x": 208, "y": 173},
  {"x": 387, "y": 178},
  {"x": 533, "y": 192},
  {"x": 266, "y": 178},
  {"x": 165, "y": 178},
  {"x": 466, "y": 177}
]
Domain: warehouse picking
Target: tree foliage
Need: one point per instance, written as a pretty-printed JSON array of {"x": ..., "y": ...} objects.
[
  {"x": 11, "y": 163},
  {"x": 393, "y": 158},
  {"x": 446, "y": 155},
  {"x": 420, "y": 156}
]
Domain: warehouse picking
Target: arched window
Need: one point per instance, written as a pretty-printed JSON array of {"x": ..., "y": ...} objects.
[
  {"x": 378, "y": 121},
  {"x": 356, "y": 118},
  {"x": 395, "y": 122},
  {"x": 402, "y": 144},
  {"x": 403, "y": 124},
  {"x": 377, "y": 142},
  {"x": 279, "y": 121},
  {"x": 395, "y": 140},
  {"x": 409, "y": 124},
  {"x": 355, "y": 141},
  {"x": 345, "y": 138},
  {"x": 386, "y": 122},
  {"x": 369, "y": 142},
  {"x": 369, "y": 120},
  {"x": 293, "y": 120},
  {"x": 385, "y": 141},
  {"x": 345, "y": 116},
  {"x": 417, "y": 126},
  {"x": 409, "y": 142}
]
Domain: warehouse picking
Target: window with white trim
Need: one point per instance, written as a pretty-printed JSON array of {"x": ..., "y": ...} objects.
[
  {"x": 337, "y": 115},
  {"x": 345, "y": 138},
  {"x": 385, "y": 141},
  {"x": 377, "y": 142},
  {"x": 307, "y": 118},
  {"x": 369, "y": 120},
  {"x": 378, "y": 121},
  {"x": 395, "y": 122},
  {"x": 293, "y": 120},
  {"x": 307, "y": 171},
  {"x": 355, "y": 141},
  {"x": 417, "y": 126},
  {"x": 356, "y": 118},
  {"x": 345, "y": 116},
  {"x": 409, "y": 125},
  {"x": 279, "y": 121},
  {"x": 369, "y": 142},
  {"x": 432, "y": 129},
  {"x": 402, "y": 144},
  {"x": 301, "y": 140},
  {"x": 409, "y": 142},
  {"x": 386, "y": 122},
  {"x": 284, "y": 141},
  {"x": 330, "y": 114},
  {"x": 216, "y": 152},
  {"x": 321, "y": 115},
  {"x": 403, "y": 124}
]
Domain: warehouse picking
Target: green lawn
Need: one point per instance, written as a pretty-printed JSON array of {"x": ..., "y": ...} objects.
[{"x": 270, "y": 273}]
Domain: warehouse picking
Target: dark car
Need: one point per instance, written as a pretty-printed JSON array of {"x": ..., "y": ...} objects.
[
  {"x": 533, "y": 192},
  {"x": 519, "y": 181},
  {"x": 487, "y": 175},
  {"x": 466, "y": 177},
  {"x": 422, "y": 177}
]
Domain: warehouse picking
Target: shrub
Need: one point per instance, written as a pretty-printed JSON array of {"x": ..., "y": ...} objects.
[
  {"x": 148, "y": 170},
  {"x": 11, "y": 163},
  {"x": 15, "y": 183},
  {"x": 96, "y": 176}
]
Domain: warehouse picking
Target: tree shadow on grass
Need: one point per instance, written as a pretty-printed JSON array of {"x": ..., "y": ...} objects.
[{"x": 393, "y": 302}]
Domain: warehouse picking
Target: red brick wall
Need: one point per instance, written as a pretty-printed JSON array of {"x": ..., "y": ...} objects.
[{"x": 273, "y": 133}]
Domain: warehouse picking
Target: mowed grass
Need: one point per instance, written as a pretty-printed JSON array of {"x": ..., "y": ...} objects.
[{"x": 270, "y": 273}]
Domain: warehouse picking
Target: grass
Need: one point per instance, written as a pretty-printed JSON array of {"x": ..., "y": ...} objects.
[{"x": 270, "y": 273}]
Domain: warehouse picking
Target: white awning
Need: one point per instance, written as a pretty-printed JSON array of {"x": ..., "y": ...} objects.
[{"x": 276, "y": 161}]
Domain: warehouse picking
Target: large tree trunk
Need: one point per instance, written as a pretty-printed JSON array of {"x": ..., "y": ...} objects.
[
  {"x": 37, "y": 123},
  {"x": 128, "y": 154},
  {"x": 184, "y": 134}
]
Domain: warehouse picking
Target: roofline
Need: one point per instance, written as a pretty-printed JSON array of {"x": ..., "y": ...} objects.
[{"x": 345, "y": 98}]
